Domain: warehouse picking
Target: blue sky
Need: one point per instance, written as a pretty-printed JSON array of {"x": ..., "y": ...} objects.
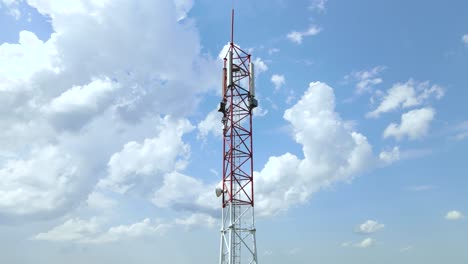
[{"x": 111, "y": 146}]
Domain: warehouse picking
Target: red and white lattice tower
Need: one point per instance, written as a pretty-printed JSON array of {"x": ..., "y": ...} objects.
[{"x": 238, "y": 244}]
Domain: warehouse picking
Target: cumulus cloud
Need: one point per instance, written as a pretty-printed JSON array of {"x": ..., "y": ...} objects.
[
  {"x": 366, "y": 79},
  {"x": 332, "y": 152},
  {"x": 369, "y": 226},
  {"x": 186, "y": 193},
  {"x": 92, "y": 231},
  {"x": 44, "y": 183},
  {"x": 74, "y": 107},
  {"x": 296, "y": 36},
  {"x": 55, "y": 96},
  {"x": 278, "y": 80},
  {"x": 454, "y": 215},
  {"x": 389, "y": 157},
  {"x": 405, "y": 95},
  {"x": 142, "y": 165},
  {"x": 210, "y": 125},
  {"x": 196, "y": 220},
  {"x": 80, "y": 98},
  {"x": 414, "y": 124},
  {"x": 20, "y": 62}
]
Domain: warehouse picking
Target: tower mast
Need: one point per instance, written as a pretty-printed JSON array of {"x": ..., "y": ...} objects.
[{"x": 238, "y": 244}]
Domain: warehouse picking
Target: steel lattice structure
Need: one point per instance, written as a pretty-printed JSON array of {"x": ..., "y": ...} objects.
[{"x": 238, "y": 243}]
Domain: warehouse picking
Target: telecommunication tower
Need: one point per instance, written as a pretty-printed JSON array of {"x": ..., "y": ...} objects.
[{"x": 238, "y": 243}]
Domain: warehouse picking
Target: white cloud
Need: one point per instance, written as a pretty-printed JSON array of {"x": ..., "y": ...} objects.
[
  {"x": 80, "y": 98},
  {"x": 278, "y": 80},
  {"x": 369, "y": 226},
  {"x": 332, "y": 153},
  {"x": 142, "y": 165},
  {"x": 319, "y": 5},
  {"x": 465, "y": 39},
  {"x": 296, "y": 36},
  {"x": 365, "y": 243},
  {"x": 224, "y": 50},
  {"x": 210, "y": 125},
  {"x": 197, "y": 219},
  {"x": 99, "y": 201},
  {"x": 404, "y": 95},
  {"x": 414, "y": 124},
  {"x": 182, "y": 8},
  {"x": 139, "y": 229},
  {"x": 389, "y": 157},
  {"x": 72, "y": 230},
  {"x": 44, "y": 184},
  {"x": 20, "y": 62},
  {"x": 57, "y": 94},
  {"x": 260, "y": 65},
  {"x": 259, "y": 111},
  {"x": 74, "y": 107},
  {"x": 368, "y": 242},
  {"x": 182, "y": 192},
  {"x": 454, "y": 215},
  {"x": 366, "y": 79},
  {"x": 91, "y": 231}
]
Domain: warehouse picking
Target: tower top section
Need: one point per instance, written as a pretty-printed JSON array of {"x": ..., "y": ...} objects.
[{"x": 232, "y": 27}]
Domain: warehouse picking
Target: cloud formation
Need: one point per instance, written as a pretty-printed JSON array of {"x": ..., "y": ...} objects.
[
  {"x": 91, "y": 231},
  {"x": 140, "y": 165},
  {"x": 278, "y": 80},
  {"x": 454, "y": 215},
  {"x": 319, "y": 5},
  {"x": 296, "y": 36},
  {"x": 332, "y": 153},
  {"x": 45, "y": 182},
  {"x": 389, "y": 157},
  {"x": 369, "y": 226},
  {"x": 115, "y": 93},
  {"x": 365, "y": 243},
  {"x": 366, "y": 79},
  {"x": 211, "y": 125},
  {"x": 405, "y": 95},
  {"x": 414, "y": 124}
]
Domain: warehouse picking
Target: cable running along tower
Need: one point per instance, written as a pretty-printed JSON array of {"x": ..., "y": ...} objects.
[{"x": 238, "y": 244}]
